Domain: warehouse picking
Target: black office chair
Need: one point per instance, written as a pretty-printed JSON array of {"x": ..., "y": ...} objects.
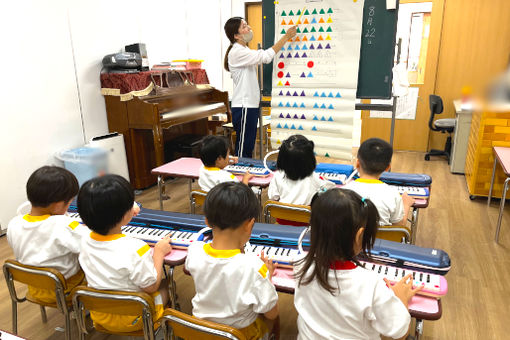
[{"x": 442, "y": 125}]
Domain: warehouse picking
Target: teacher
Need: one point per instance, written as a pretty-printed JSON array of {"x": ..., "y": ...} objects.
[{"x": 241, "y": 62}]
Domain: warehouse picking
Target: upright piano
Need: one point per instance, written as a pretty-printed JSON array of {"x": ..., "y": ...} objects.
[{"x": 148, "y": 121}]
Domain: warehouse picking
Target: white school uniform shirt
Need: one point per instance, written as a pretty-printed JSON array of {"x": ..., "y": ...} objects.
[
  {"x": 232, "y": 288},
  {"x": 301, "y": 191},
  {"x": 242, "y": 62},
  {"x": 364, "y": 308},
  {"x": 209, "y": 177},
  {"x": 385, "y": 197},
  {"x": 47, "y": 241},
  {"x": 117, "y": 262}
]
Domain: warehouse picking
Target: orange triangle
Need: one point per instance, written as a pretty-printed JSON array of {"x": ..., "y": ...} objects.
[
  {"x": 283, "y": 22},
  {"x": 329, "y": 20},
  {"x": 292, "y": 23},
  {"x": 306, "y": 21},
  {"x": 304, "y": 38},
  {"x": 298, "y": 22},
  {"x": 320, "y": 37},
  {"x": 321, "y": 21},
  {"x": 297, "y": 39}
]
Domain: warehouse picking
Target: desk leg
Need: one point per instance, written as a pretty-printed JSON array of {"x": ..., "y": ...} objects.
[
  {"x": 492, "y": 181},
  {"x": 418, "y": 329},
  {"x": 414, "y": 224},
  {"x": 161, "y": 183},
  {"x": 173, "y": 290},
  {"x": 501, "y": 207}
]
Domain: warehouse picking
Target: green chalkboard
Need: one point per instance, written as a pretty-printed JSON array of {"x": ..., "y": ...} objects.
[{"x": 376, "y": 55}]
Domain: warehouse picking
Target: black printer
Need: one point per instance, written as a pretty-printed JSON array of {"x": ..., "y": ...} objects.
[{"x": 122, "y": 62}]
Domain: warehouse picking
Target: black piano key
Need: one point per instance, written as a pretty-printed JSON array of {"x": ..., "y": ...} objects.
[
  {"x": 288, "y": 251},
  {"x": 428, "y": 278},
  {"x": 414, "y": 275},
  {"x": 379, "y": 270},
  {"x": 421, "y": 277},
  {"x": 396, "y": 272},
  {"x": 386, "y": 271}
]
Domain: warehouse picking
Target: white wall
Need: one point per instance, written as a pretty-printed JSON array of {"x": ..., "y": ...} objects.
[{"x": 50, "y": 91}]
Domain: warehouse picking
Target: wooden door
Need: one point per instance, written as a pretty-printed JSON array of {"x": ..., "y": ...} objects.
[{"x": 253, "y": 15}]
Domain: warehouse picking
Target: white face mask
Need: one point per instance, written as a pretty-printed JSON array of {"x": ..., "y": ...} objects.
[{"x": 247, "y": 37}]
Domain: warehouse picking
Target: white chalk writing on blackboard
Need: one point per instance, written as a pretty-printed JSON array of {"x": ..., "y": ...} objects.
[{"x": 370, "y": 29}]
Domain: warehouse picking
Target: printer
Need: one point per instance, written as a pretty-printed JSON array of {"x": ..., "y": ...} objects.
[{"x": 122, "y": 62}]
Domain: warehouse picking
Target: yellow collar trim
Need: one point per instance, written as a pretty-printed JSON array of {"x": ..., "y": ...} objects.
[
  {"x": 220, "y": 253},
  {"x": 211, "y": 168},
  {"x": 30, "y": 218},
  {"x": 98, "y": 237},
  {"x": 369, "y": 180}
]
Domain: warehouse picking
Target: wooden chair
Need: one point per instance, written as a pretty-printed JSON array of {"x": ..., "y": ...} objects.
[
  {"x": 187, "y": 327},
  {"x": 42, "y": 278},
  {"x": 396, "y": 233},
  {"x": 196, "y": 198},
  {"x": 285, "y": 211},
  {"x": 116, "y": 302}
]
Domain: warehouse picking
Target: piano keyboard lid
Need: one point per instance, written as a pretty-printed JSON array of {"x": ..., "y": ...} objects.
[
  {"x": 278, "y": 235},
  {"x": 256, "y": 163},
  {"x": 399, "y": 178},
  {"x": 342, "y": 169}
]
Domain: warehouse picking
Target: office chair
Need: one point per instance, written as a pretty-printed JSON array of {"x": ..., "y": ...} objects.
[{"x": 442, "y": 125}]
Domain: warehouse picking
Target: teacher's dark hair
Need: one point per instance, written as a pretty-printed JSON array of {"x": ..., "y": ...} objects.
[{"x": 231, "y": 29}]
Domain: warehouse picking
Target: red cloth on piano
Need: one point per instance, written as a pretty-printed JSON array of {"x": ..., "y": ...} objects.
[{"x": 292, "y": 223}]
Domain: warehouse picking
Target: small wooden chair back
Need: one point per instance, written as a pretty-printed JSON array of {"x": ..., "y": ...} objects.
[
  {"x": 197, "y": 198},
  {"x": 395, "y": 233},
  {"x": 291, "y": 212}
]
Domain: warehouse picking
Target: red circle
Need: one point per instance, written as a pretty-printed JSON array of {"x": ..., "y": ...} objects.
[
  {"x": 280, "y": 74},
  {"x": 281, "y": 65},
  {"x": 310, "y": 64}
]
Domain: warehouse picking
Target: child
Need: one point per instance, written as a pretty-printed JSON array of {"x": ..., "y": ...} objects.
[
  {"x": 335, "y": 297},
  {"x": 374, "y": 157},
  {"x": 113, "y": 261},
  {"x": 295, "y": 181},
  {"x": 46, "y": 237},
  {"x": 215, "y": 154},
  {"x": 232, "y": 288}
]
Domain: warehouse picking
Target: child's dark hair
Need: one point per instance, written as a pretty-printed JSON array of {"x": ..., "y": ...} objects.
[
  {"x": 337, "y": 215},
  {"x": 103, "y": 202},
  {"x": 296, "y": 157},
  {"x": 374, "y": 156},
  {"x": 230, "y": 204},
  {"x": 51, "y": 184},
  {"x": 231, "y": 29},
  {"x": 213, "y": 147}
]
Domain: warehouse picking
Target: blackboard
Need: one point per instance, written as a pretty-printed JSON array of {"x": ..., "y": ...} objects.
[{"x": 376, "y": 55}]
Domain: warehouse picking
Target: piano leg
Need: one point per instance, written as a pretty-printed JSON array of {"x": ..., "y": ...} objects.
[
  {"x": 161, "y": 185},
  {"x": 159, "y": 148}
]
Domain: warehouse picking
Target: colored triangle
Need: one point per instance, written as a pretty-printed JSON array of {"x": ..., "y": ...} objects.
[
  {"x": 323, "y": 119},
  {"x": 315, "y": 117},
  {"x": 287, "y": 83},
  {"x": 331, "y": 107},
  {"x": 280, "y": 104},
  {"x": 291, "y": 13},
  {"x": 300, "y": 127},
  {"x": 295, "y": 105},
  {"x": 311, "y": 47},
  {"x": 329, "y": 20},
  {"x": 322, "y": 11},
  {"x": 328, "y": 37},
  {"x": 316, "y": 94},
  {"x": 288, "y": 93},
  {"x": 320, "y": 38},
  {"x": 296, "y": 55},
  {"x": 330, "y": 119},
  {"x": 329, "y": 29},
  {"x": 282, "y": 56},
  {"x": 312, "y": 38},
  {"x": 305, "y": 30},
  {"x": 307, "y": 13},
  {"x": 316, "y": 106},
  {"x": 304, "y": 38},
  {"x": 298, "y": 23},
  {"x": 338, "y": 95},
  {"x": 313, "y": 30},
  {"x": 314, "y": 21},
  {"x": 304, "y": 47},
  {"x": 306, "y": 23},
  {"x": 287, "y": 105},
  {"x": 280, "y": 83},
  {"x": 279, "y": 126},
  {"x": 284, "y": 14},
  {"x": 289, "y": 55},
  {"x": 281, "y": 93},
  {"x": 285, "y": 126},
  {"x": 283, "y": 22},
  {"x": 310, "y": 75},
  {"x": 323, "y": 106},
  {"x": 298, "y": 30},
  {"x": 288, "y": 75},
  {"x": 293, "y": 127},
  {"x": 298, "y": 12},
  {"x": 321, "y": 21},
  {"x": 283, "y": 48},
  {"x": 302, "y": 105},
  {"x": 297, "y": 39},
  {"x": 323, "y": 94},
  {"x": 304, "y": 55},
  {"x": 295, "y": 94},
  {"x": 278, "y": 141},
  {"x": 288, "y": 116},
  {"x": 330, "y": 10},
  {"x": 327, "y": 46},
  {"x": 283, "y": 31},
  {"x": 297, "y": 47},
  {"x": 281, "y": 115},
  {"x": 289, "y": 48},
  {"x": 295, "y": 116},
  {"x": 314, "y": 11},
  {"x": 326, "y": 155},
  {"x": 291, "y": 22},
  {"x": 319, "y": 47},
  {"x": 314, "y": 129},
  {"x": 303, "y": 116},
  {"x": 321, "y": 29},
  {"x": 303, "y": 94},
  {"x": 303, "y": 75}
]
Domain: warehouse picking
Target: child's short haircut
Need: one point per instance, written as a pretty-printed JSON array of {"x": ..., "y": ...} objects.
[
  {"x": 296, "y": 157},
  {"x": 51, "y": 184},
  {"x": 374, "y": 156},
  {"x": 213, "y": 147},
  {"x": 230, "y": 204},
  {"x": 103, "y": 202}
]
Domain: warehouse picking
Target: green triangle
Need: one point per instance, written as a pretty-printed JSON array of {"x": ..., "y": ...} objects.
[
  {"x": 326, "y": 155},
  {"x": 298, "y": 12},
  {"x": 330, "y": 10},
  {"x": 322, "y": 11},
  {"x": 298, "y": 30},
  {"x": 305, "y": 30},
  {"x": 329, "y": 29},
  {"x": 284, "y": 14},
  {"x": 291, "y": 13},
  {"x": 283, "y": 31},
  {"x": 307, "y": 13},
  {"x": 313, "y": 29},
  {"x": 321, "y": 29},
  {"x": 314, "y": 11}
]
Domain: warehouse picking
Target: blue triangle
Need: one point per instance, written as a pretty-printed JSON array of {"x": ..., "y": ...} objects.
[
  {"x": 303, "y": 75},
  {"x": 300, "y": 127},
  {"x": 288, "y": 93},
  {"x": 288, "y": 116},
  {"x": 279, "y": 126},
  {"x": 319, "y": 47},
  {"x": 285, "y": 126},
  {"x": 310, "y": 75},
  {"x": 314, "y": 21},
  {"x": 314, "y": 129},
  {"x": 281, "y": 93},
  {"x": 283, "y": 48},
  {"x": 316, "y": 106},
  {"x": 304, "y": 55},
  {"x": 303, "y": 116},
  {"x": 295, "y": 94},
  {"x": 287, "y": 105},
  {"x": 304, "y": 47},
  {"x": 289, "y": 48},
  {"x": 303, "y": 94},
  {"x": 297, "y": 48},
  {"x": 316, "y": 94},
  {"x": 280, "y": 105},
  {"x": 330, "y": 106},
  {"x": 288, "y": 75},
  {"x": 338, "y": 95},
  {"x": 295, "y": 116},
  {"x": 311, "y": 47},
  {"x": 289, "y": 55},
  {"x": 312, "y": 38},
  {"x": 295, "y": 105},
  {"x": 303, "y": 105},
  {"x": 281, "y": 115},
  {"x": 330, "y": 119},
  {"x": 323, "y": 94},
  {"x": 293, "y": 127},
  {"x": 296, "y": 55},
  {"x": 323, "y": 106},
  {"x": 323, "y": 119},
  {"x": 315, "y": 118},
  {"x": 330, "y": 95}
]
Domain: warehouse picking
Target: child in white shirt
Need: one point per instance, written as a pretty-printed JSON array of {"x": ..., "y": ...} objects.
[
  {"x": 232, "y": 288},
  {"x": 295, "y": 181},
  {"x": 114, "y": 261},
  {"x": 335, "y": 297},
  {"x": 46, "y": 237},
  {"x": 215, "y": 155},
  {"x": 374, "y": 157}
]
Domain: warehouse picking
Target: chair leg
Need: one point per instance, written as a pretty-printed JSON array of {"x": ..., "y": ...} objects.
[
  {"x": 43, "y": 314},
  {"x": 68, "y": 326},
  {"x": 14, "y": 317}
]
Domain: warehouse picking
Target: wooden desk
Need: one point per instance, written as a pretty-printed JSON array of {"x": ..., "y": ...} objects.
[
  {"x": 501, "y": 156},
  {"x": 461, "y": 138}
]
